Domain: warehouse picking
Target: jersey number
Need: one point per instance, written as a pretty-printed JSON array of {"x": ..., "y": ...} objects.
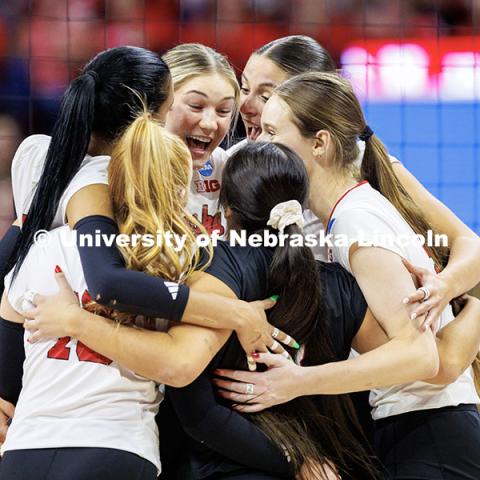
[{"x": 60, "y": 351}]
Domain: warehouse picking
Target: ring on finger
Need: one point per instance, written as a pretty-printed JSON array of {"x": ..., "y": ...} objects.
[
  {"x": 426, "y": 292},
  {"x": 249, "y": 388}
]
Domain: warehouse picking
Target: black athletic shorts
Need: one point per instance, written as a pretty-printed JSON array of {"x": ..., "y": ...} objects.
[
  {"x": 75, "y": 464},
  {"x": 441, "y": 444}
]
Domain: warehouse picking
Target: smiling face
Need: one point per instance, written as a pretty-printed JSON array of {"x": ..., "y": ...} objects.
[
  {"x": 278, "y": 126},
  {"x": 260, "y": 76},
  {"x": 201, "y": 114}
]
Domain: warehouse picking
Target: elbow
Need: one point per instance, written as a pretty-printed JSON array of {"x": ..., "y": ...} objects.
[
  {"x": 450, "y": 369},
  {"x": 426, "y": 356},
  {"x": 179, "y": 375}
]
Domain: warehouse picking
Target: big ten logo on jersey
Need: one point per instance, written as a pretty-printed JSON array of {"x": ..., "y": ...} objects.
[
  {"x": 207, "y": 186},
  {"x": 211, "y": 223},
  {"x": 61, "y": 349}
]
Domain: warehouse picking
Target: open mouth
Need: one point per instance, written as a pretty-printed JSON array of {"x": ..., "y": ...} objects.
[
  {"x": 253, "y": 133},
  {"x": 198, "y": 144}
]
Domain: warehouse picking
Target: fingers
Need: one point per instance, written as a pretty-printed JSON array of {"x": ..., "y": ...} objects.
[
  {"x": 415, "y": 297},
  {"x": 415, "y": 270},
  {"x": 277, "y": 334},
  {"x": 235, "y": 387},
  {"x": 266, "y": 304},
  {"x": 271, "y": 359},
  {"x": 249, "y": 407},
  {"x": 3, "y": 432},
  {"x": 30, "y": 325},
  {"x": 239, "y": 375},
  {"x": 62, "y": 280},
  {"x": 422, "y": 309},
  {"x": 29, "y": 314},
  {"x": 7, "y": 408},
  {"x": 35, "y": 337},
  {"x": 236, "y": 397},
  {"x": 252, "y": 365}
]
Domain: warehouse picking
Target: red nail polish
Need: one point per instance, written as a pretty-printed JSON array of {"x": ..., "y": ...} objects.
[
  {"x": 58, "y": 269},
  {"x": 255, "y": 355}
]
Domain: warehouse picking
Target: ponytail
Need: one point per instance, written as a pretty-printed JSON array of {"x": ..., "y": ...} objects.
[
  {"x": 377, "y": 169},
  {"x": 67, "y": 149},
  {"x": 99, "y": 100},
  {"x": 326, "y": 101},
  {"x": 149, "y": 180},
  {"x": 309, "y": 429}
]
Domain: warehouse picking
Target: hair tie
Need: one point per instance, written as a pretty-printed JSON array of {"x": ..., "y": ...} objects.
[
  {"x": 94, "y": 75},
  {"x": 366, "y": 134},
  {"x": 286, "y": 213}
]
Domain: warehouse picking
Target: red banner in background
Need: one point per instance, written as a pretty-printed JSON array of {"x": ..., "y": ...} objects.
[{"x": 440, "y": 69}]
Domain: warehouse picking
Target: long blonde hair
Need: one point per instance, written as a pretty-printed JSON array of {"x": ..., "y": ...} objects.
[
  {"x": 149, "y": 179},
  {"x": 326, "y": 101}
]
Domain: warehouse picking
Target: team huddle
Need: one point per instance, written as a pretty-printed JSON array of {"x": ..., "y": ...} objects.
[{"x": 356, "y": 360}]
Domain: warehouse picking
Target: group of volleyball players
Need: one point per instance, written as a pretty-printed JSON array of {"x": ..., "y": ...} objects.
[{"x": 133, "y": 361}]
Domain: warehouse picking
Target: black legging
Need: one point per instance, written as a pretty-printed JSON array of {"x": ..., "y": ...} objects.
[{"x": 75, "y": 464}]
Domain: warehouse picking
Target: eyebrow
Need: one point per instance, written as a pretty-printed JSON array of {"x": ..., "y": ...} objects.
[
  {"x": 267, "y": 125},
  {"x": 198, "y": 92},
  {"x": 263, "y": 84}
]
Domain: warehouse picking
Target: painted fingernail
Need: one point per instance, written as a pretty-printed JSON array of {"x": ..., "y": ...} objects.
[
  {"x": 405, "y": 300},
  {"x": 296, "y": 345},
  {"x": 255, "y": 355},
  {"x": 275, "y": 298},
  {"x": 58, "y": 269},
  {"x": 413, "y": 316}
]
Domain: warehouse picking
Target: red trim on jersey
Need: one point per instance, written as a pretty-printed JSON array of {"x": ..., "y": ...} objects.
[{"x": 359, "y": 184}]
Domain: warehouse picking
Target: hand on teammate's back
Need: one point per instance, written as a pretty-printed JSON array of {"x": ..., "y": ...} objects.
[
  {"x": 53, "y": 316},
  {"x": 255, "y": 334}
]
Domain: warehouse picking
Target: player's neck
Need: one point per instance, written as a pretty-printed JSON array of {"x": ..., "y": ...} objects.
[
  {"x": 326, "y": 188},
  {"x": 98, "y": 146}
]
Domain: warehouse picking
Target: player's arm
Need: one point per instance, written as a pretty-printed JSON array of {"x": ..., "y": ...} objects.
[
  {"x": 402, "y": 352},
  {"x": 8, "y": 246},
  {"x": 175, "y": 357},
  {"x": 409, "y": 354},
  {"x": 458, "y": 342},
  {"x": 12, "y": 356},
  {"x": 90, "y": 212},
  {"x": 463, "y": 269}
]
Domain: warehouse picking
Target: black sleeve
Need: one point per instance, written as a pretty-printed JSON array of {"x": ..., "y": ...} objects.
[
  {"x": 12, "y": 356},
  {"x": 225, "y": 431},
  {"x": 225, "y": 266},
  {"x": 344, "y": 305},
  {"x": 113, "y": 285},
  {"x": 8, "y": 245}
]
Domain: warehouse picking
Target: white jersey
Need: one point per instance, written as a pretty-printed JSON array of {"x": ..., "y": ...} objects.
[
  {"x": 205, "y": 193},
  {"x": 29, "y": 161},
  {"x": 363, "y": 214},
  {"x": 236, "y": 147},
  {"x": 313, "y": 225},
  {"x": 71, "y": 395},
  {"x": 27, "y": 167}
]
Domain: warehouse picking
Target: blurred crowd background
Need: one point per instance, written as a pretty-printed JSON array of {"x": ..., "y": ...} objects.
[{"x": 44, "y": 42}]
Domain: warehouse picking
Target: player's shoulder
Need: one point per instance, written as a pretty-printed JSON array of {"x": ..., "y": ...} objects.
[
  {"x": 32, "y": 148},
  {"x": 237, "y": 146}
]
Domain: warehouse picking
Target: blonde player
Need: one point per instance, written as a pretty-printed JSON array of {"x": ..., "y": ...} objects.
[
  {"x": 81, "y": 415},
  {"x": 205, "y": 104}
]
